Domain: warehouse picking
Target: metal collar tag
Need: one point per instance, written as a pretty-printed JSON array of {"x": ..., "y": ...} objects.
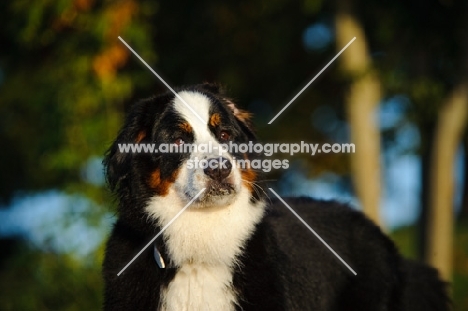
[{"x": 158, "y": 258}]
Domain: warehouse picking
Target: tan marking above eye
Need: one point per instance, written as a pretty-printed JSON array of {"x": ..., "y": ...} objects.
[
  {"x": 186, "y": 127},
  {"x": 140, "y": 137},
  {"x": 215, "y": 119},
  {"x": 248, "y": 177}
]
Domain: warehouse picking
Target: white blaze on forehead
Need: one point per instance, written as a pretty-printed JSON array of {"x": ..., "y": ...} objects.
[
  {"x": 192, "y": 177},
  {"x": 201, "y": 104}
]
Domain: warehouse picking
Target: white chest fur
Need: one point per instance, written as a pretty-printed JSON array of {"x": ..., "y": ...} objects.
[
  {"x": 200, "y": 288},
  {"x": 204, "y": 244}
]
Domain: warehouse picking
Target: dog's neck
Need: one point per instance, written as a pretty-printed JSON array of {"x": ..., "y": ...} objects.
[
  {"x": 208, "y": 236},
  {"x": 204, "y": 245}
]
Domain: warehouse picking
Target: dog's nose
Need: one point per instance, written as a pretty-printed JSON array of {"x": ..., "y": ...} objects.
[{"x": 218, "y": 168}]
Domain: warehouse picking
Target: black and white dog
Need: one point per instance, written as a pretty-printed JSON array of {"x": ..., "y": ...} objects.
[{"x": 232, "y": 249}]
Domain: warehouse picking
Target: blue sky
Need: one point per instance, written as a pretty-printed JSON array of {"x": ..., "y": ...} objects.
[{"x": 55, "y": 221}]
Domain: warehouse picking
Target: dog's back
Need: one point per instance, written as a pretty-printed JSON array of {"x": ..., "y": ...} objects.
[
  {"x": 423, "y": 288},
  {"x": 223, "y": 247},
  {"x": 316, "y": 280}
]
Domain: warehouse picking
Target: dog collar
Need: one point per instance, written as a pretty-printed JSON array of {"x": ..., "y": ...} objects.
[{"x": 158, "y": 258}]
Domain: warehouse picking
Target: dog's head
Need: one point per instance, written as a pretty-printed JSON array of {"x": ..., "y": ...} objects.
[
  {"x": 153, "y": 187},
  {"x": 201, "y": 122}
]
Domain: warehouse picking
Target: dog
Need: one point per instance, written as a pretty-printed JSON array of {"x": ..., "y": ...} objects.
[{"x": 224, "y": 245}]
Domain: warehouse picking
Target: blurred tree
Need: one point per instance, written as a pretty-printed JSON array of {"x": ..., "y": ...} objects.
[
  {"x": 361, "y": 104},
  {"x": 418, "y": 49},
  {"x": 464, "y": 206},
  {"x": 450, "y": 126}
]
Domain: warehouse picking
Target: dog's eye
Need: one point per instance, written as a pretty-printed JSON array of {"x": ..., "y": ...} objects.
[
  {"x": 179, "y": 141},
  {"x": 224, "y": 135}
]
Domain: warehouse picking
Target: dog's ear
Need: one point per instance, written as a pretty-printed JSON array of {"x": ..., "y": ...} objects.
[
  {"x": 137, "y": 127},
  {"x": 243, "y": 117},
  {"x": 211, "y": 87}
]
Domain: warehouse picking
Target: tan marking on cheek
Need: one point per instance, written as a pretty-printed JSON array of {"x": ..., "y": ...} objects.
[
  {"x": 248, "y": 177},
  {"x": 161, "y": 186},
  {"x": 247, "y": 174},
  {"x": 215, "y": 120},
  {"x": 140, "y": 137},
  {"x": 185, "y": 127}
]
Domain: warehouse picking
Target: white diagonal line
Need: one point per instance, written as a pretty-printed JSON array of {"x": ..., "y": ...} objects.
[
  {"x": 316, "y": 76},
  {"x": 162, "y": 80},
  {"x": 312, "y": 230},
  {"x": 162, "y": 230}
]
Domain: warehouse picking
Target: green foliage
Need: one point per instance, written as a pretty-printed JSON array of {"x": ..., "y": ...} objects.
[
  {"x": 63, "y": 84},
  {"x": 39, "y": 280}
]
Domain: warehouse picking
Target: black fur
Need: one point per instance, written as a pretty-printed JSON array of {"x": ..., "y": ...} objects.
[{"x": 283, "y": 265}]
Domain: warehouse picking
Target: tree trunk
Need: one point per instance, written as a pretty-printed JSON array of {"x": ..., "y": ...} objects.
[
  {"x": 362, "y": 102},
  {"x": 464, "y": 207},
  {"x": 427, "y": 140},
  {"x": 449, "y": 131}
]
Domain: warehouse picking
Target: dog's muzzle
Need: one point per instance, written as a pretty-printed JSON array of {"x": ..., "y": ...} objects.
[{"x": 218, "y": 169}]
